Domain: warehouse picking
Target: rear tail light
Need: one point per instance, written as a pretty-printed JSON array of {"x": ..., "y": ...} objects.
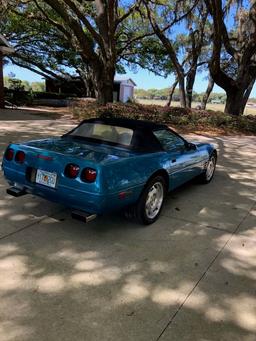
[
  {"x": 89, "y": 175},
  {"x": 20, "y": 157},
  {"x": 9, "y": 154},
  {"x": 71, "y": 171}
]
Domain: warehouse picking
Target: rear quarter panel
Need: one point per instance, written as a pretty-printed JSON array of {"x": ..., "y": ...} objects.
[{"x": 130, "y": 175}]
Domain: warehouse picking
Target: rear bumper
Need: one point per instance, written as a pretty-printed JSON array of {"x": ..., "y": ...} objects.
[
  {"x": 93, "y": 203},
  {"x": 70, "y": 197}
]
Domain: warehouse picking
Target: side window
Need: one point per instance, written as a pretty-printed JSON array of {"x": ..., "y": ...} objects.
[{"x": 169, "y": 140}]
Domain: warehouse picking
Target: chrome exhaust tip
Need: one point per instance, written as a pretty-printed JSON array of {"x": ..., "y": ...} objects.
[
  {"x": 16, "y": 192},
  {"x": 83, "y": 216}
]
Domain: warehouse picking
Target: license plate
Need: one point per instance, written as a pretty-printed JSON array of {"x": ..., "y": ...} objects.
[{"x": 46, "y": 178}]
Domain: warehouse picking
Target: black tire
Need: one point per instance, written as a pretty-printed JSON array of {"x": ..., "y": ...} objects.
[
  {"x": 207, "y": 177},
  {"x": 140, "y": 209}
]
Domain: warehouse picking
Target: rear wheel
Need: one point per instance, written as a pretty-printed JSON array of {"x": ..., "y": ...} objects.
[
  {"x": 150, "y": 204},
  {"x": 208, "y": 174}
]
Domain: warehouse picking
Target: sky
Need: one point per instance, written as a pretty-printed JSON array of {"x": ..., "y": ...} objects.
[{"x": 143, "y": 79}]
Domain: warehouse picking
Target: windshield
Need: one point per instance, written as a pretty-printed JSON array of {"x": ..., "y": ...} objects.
[{"x": 104, "y": 132}]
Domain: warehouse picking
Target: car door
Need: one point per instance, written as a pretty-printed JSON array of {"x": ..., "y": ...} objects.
[{"x": 184, "y": 158}]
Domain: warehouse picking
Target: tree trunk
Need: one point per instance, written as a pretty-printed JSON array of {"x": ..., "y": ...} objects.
[
  {"x": 172, "y": 89},
  {"x": 189, "y": 96},
  {"x": 91, "y": 90},
  {"x": 105, "y": 92},
  {"x": 182, "y": 92},
  {"x": 234, "y": 101},
  {"x": 190, "y": 84},
  {"x": 207, "y": 92},
  {"x": 1, "y": 82},
  {"x": 89, "y": 87},
  {"x": 88, "y": 81},
  {"x": 104, "y": 81},
  {"x": 246, "y": 96}
]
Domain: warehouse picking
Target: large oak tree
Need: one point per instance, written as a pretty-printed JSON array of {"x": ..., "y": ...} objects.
[
  {"x": 233, "y": 62},
  {"x": 98, "y": 31}
]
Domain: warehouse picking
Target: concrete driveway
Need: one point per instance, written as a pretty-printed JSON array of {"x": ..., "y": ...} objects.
[{"x": 190, "y": 276}]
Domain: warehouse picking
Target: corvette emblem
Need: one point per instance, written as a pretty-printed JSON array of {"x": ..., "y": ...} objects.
[{"x": 44, "y": 157}]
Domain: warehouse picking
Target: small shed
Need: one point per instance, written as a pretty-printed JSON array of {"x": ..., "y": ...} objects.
[
  {"x": 5, "y": 49},
  {"x": 123, "y": 90}
]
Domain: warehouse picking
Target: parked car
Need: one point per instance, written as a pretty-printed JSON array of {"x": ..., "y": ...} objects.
[{"x": 108, "y": 164}]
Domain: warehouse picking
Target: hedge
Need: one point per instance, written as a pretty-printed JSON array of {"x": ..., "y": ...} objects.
[{"x": 180, "y": 118}]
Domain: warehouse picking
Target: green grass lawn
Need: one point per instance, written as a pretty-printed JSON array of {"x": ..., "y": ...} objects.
[{"x": 215, "y": 107}]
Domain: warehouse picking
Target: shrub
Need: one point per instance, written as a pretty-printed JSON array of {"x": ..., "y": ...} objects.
[
  {"x": 180, "y": 118},
  {"x": 18, "y": 97},
  {"x": 51, "y": 95}
]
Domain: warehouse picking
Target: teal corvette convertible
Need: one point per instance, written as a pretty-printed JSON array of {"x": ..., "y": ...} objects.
[{"x": 108, "y": 164}]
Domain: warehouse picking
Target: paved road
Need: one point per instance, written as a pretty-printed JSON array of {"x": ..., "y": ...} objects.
[{"x": 190, "y": 276}]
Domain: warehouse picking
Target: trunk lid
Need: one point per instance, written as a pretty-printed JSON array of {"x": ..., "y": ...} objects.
[{"x": 99, "y": 154}]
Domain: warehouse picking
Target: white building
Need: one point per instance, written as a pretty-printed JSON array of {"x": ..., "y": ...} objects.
[{"x": 123, "y": 90}]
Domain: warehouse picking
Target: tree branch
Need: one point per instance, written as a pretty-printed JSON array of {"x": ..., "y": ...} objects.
[
  {"x": 30, "y": 68},
  {"x": 220, "y": 77},
  {"x": 130, "y": 11},
  {"x": 40, "y": 66},
  {"x": 165, "y": 41},
  {"x": 85, "y": 43},
  {"x": 53, "y": 22},
  {"x": 153, "y": 70},
  {"x": 131, "y": 41},
  {"x": 86, "y": 23}
]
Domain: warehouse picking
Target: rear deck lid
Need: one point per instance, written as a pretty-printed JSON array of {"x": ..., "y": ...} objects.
[{"x": 85, "y": 150}]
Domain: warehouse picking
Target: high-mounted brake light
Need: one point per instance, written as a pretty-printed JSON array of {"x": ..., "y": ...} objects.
[
  {"x": 89, "y": 175},
  {"x": 20, "y": 156},
  {"x": 71, "y": 171},
  {"x": 9, "y": 154}
]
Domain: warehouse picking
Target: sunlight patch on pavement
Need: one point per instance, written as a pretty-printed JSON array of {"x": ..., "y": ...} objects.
[
  {"x": 87, "y": 265},
  {"x": 97, "y": 277},
  {"x": 13, "y": 331},
  {"x": 242, "y": 310},
  {"x": 168, "y": 296},
  {"x": 134, "y": 289},
  {"x": 51, "y": 284}
]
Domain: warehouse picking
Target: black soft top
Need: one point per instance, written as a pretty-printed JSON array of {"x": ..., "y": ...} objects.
[{"x": 143, "y": 139}]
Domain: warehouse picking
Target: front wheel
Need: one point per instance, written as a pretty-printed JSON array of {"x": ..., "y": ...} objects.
[{"x": 151, "y": 201}]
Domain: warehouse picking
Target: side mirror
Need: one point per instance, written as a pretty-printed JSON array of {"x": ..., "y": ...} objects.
[{"x": 190, "y": 146}]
